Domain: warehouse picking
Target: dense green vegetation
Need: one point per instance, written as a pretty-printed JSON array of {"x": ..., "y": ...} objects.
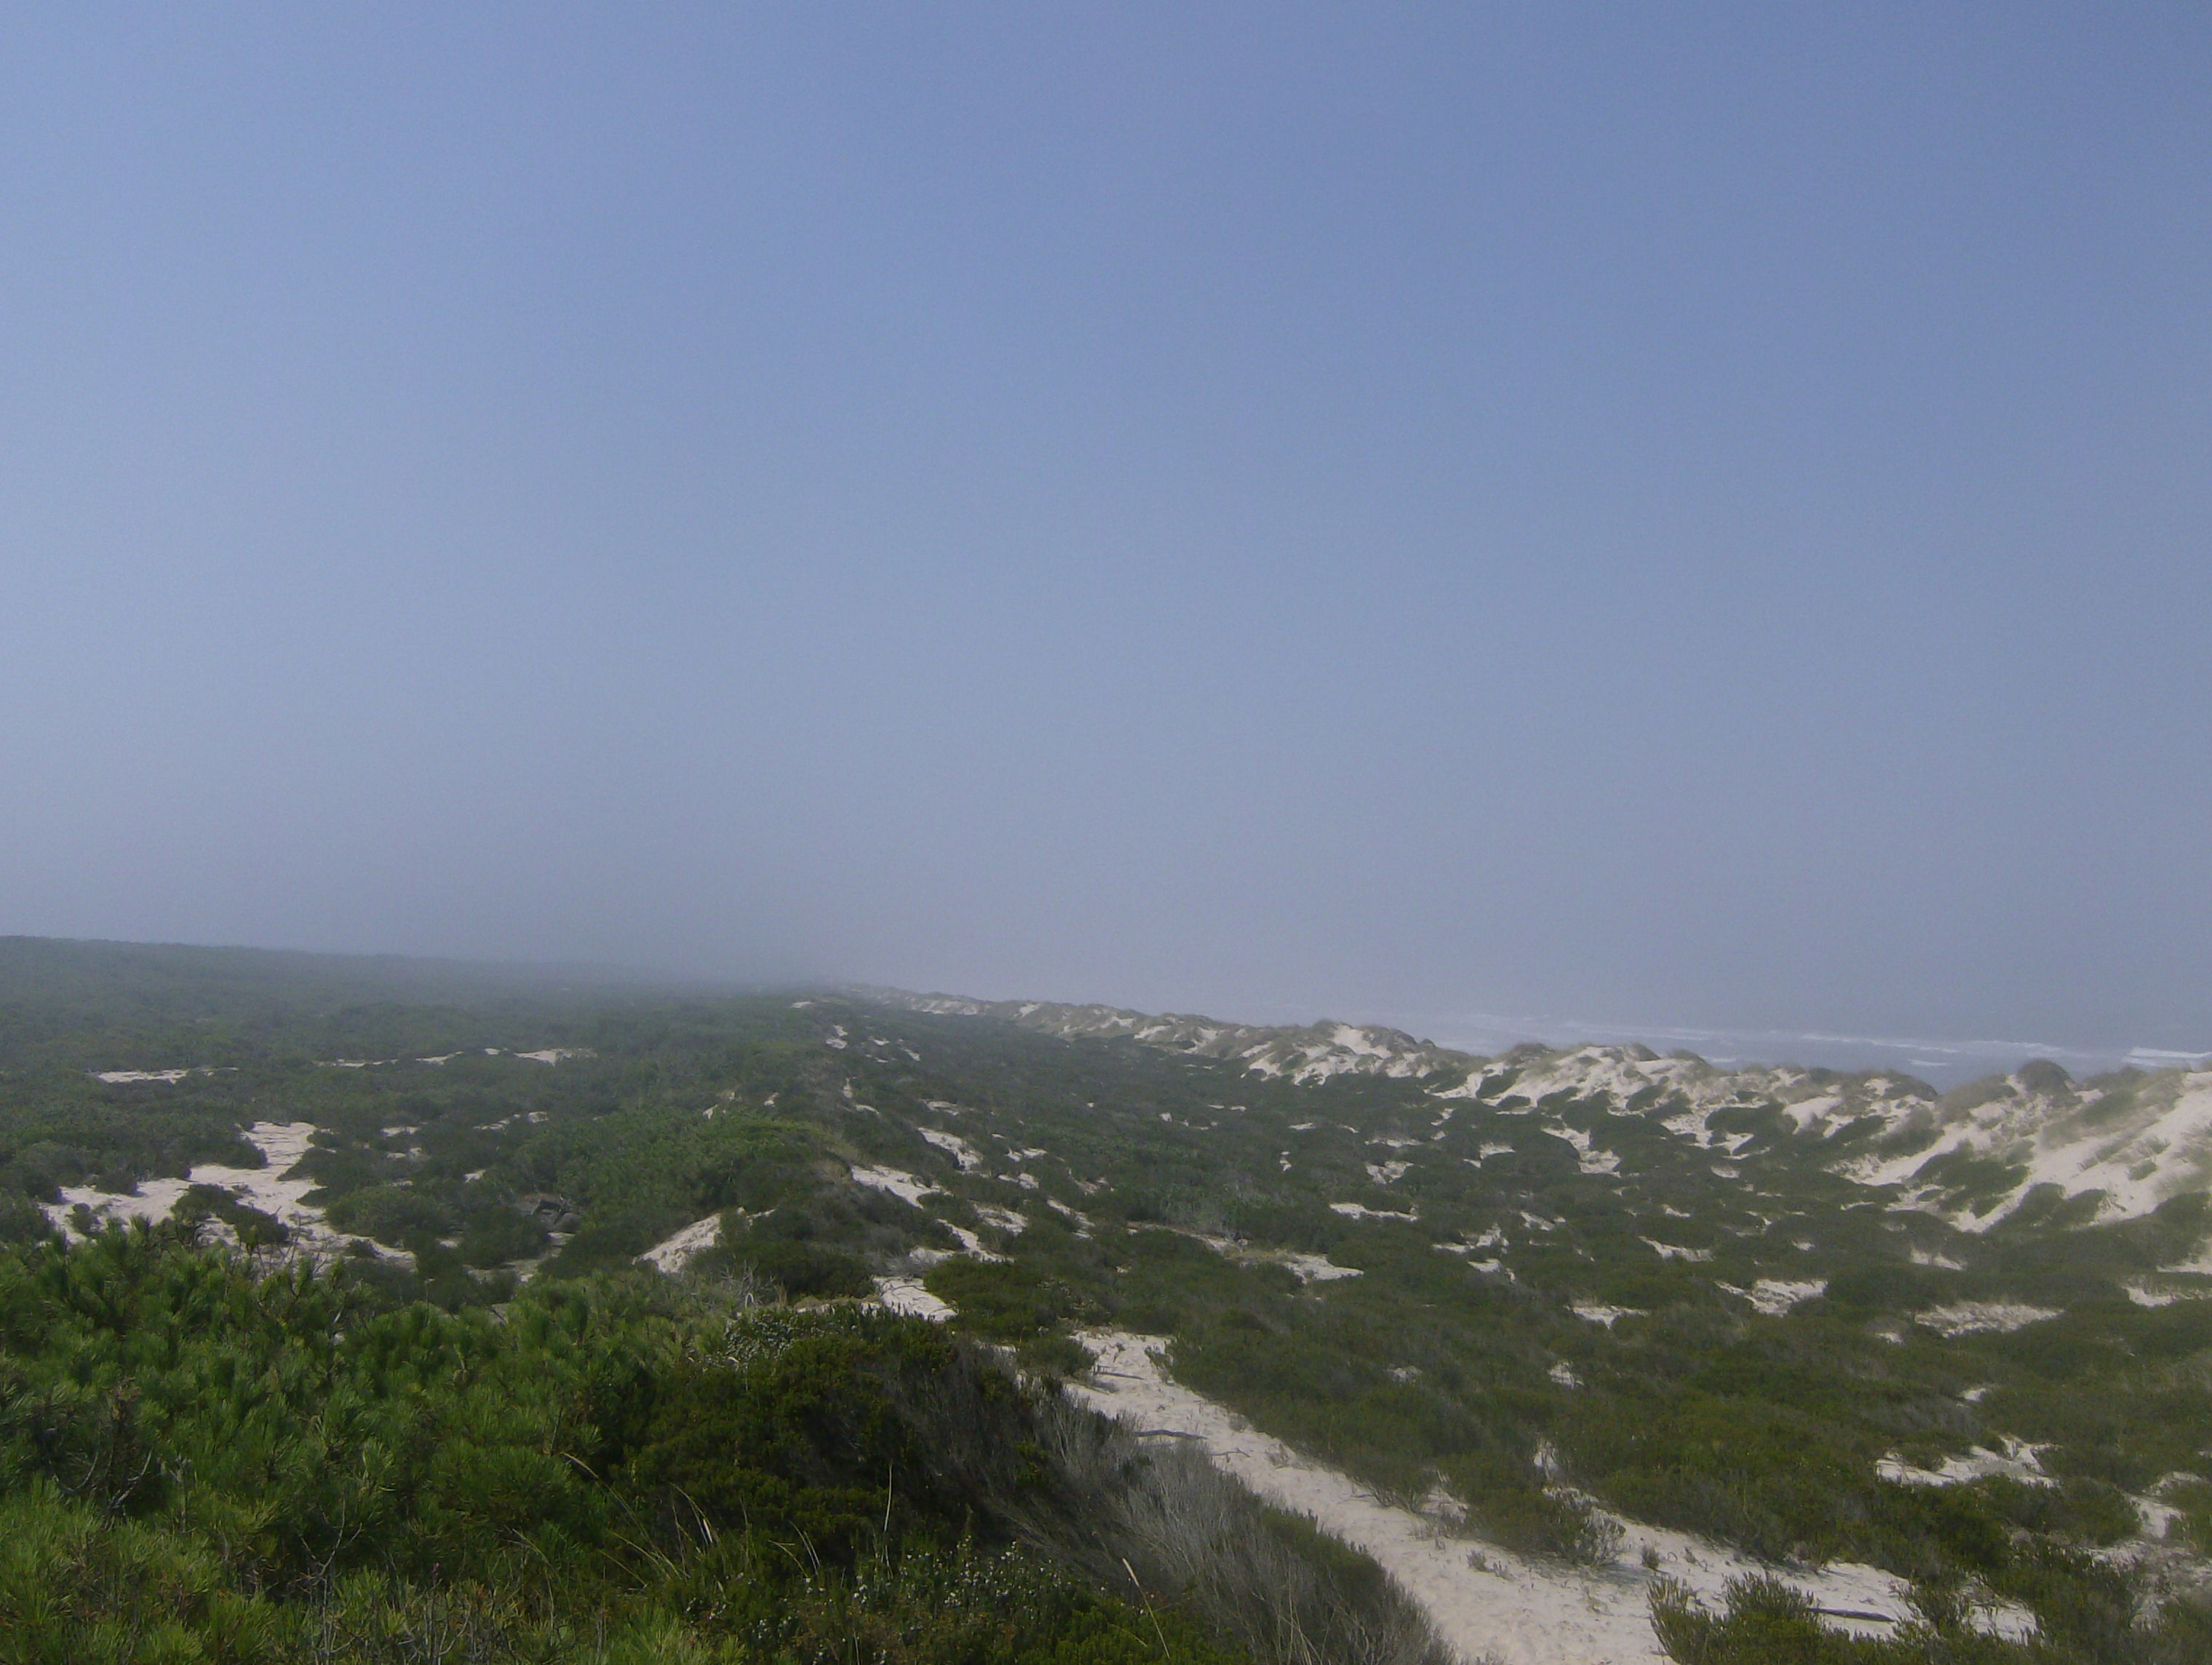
[
  {"x": 197, "y": 1462},
  {"x": 499, "y": 1203}
]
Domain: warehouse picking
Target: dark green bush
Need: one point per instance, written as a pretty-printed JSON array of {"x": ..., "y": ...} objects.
[{"x": 198, "y": 1464}]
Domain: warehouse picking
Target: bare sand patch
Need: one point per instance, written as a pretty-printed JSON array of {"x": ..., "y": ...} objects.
[
  {"x": 272, "y": 1190},
  {"x": 679, "y": 1248},
  {"x": 907, "y": 1297}
]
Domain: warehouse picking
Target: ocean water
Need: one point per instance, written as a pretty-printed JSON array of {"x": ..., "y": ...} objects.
[{"x": 1943, "y": 1063}]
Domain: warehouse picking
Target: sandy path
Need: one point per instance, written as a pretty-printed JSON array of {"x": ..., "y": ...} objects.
[{"x": 1487, "y": 1603}]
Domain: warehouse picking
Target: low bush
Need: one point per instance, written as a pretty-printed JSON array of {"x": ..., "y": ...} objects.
[{"x": 198, "y": 1464}]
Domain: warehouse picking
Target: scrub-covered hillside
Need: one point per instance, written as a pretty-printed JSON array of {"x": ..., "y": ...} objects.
[
  {"x": 204, "y": 1460},
  {"x": 1794, "y": 1359}
]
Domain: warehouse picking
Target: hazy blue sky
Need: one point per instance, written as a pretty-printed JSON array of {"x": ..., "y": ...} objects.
[{"x": 1678, "y": 515}]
